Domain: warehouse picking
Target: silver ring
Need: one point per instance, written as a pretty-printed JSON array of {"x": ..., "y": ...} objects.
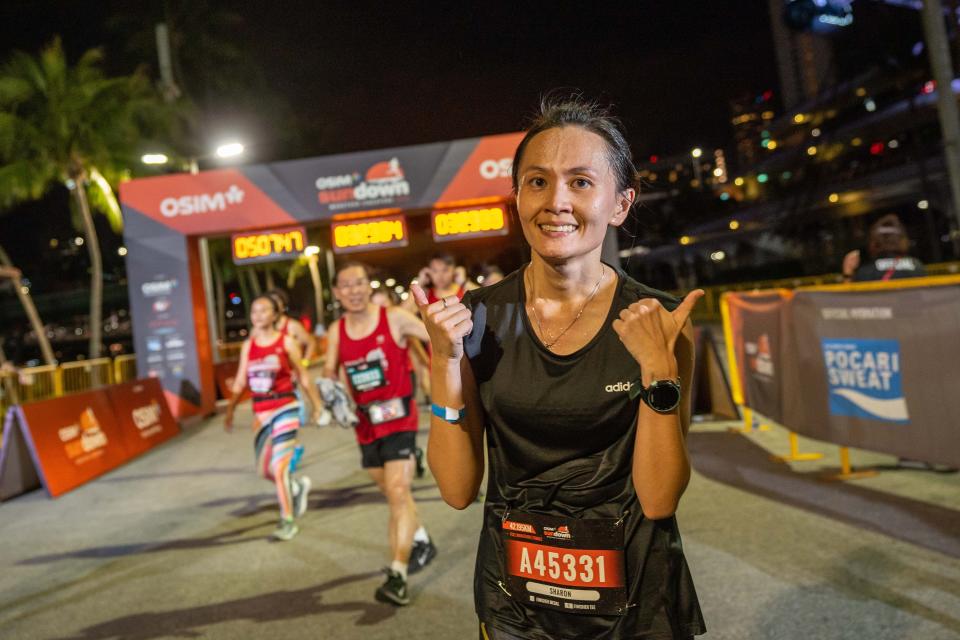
[{"x": 444, "y": 301}]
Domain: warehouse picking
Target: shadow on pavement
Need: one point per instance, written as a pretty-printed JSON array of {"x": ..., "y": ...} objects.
[
  {"x": 121, "y": 550},
  {"x": 735, "y": 460},
  {"x": 262, "y": 608},
  {"x": 320, "y": 498}
]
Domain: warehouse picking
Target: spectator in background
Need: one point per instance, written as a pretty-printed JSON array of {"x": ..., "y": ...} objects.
[
  {"x": 888, "y": 248},
  {"x": 491, "y": 274}
]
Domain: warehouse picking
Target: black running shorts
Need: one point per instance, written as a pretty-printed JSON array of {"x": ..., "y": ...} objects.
[{"x": 396, "y": 446}]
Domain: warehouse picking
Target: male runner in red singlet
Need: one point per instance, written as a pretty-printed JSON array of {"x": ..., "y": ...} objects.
[{"x": 368, "y": 346}]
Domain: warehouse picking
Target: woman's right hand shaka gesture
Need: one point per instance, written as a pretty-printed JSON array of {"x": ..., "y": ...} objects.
[{"x": 448, "y": 320}]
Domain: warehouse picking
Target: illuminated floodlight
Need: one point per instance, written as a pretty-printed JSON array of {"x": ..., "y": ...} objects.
[
  {"x": 154, "y": 158},
  {"x": 697, "y": 152},
  {"x": 229, "y": 150},
  {"x": 312, "y": 250}
]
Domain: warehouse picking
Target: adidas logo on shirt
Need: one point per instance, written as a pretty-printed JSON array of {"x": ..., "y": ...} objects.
[{"x": 620, "y": 386}]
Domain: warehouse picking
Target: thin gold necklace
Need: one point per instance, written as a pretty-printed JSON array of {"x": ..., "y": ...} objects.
[{"x": 536, "y": 316}]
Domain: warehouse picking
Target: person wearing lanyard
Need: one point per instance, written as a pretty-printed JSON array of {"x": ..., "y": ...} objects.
[
  {"x": 579, "y": 377},
  {"x": 269, "y": 362},
  {"x": 368, "y": 345}
]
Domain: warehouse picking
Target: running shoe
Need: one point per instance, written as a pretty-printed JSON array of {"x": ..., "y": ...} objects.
[
  {"x": 302, "y": 498},
  {"x": 325, "y": 418},
  {"x": 286, "y": 531},
  {"x": 394, "y": 590},
  {"x": 421, "y": 555},
  {"x": 421, "y": 468}
]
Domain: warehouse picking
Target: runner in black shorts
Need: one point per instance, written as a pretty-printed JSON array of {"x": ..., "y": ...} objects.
[
  {"x": 578, "y": 379},
  {"x": 368, "y": 346}
]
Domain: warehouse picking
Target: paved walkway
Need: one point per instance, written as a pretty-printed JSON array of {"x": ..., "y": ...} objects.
[{"x": 173, "y": 545}]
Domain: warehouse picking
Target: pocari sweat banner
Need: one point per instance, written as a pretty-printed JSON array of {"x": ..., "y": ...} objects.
[{"x": 865, "y": 379}]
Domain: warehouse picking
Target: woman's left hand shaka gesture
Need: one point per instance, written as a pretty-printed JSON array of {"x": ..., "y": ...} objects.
[{"x": 650, "y": 332}]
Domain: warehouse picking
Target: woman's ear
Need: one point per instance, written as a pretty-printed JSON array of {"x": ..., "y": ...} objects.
[{"x": 624, "y": 202}]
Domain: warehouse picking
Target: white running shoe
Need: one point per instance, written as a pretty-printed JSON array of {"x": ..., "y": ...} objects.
[{"x": 302, "y": 498}]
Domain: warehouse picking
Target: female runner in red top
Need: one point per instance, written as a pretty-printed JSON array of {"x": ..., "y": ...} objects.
[{"x": 269, "y": 362}]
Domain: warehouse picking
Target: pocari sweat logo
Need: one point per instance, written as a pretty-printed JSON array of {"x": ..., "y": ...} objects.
[{"x": 865, "y": 379}]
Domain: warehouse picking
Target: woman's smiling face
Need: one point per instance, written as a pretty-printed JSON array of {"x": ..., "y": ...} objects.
[{"x": 567, "y": 193}]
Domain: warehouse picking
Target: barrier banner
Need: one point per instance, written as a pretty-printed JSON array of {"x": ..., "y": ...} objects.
[
  {"x": 757, "y": 320},
  {"x": 878, "y": 370},
  {"x": 711, "y": 392},
  {"x": 70, "y": 440},
  {"x": 143, "y": 415},
  {"x": 73, "y": 438},
  {"x": 18, "y": 473}
]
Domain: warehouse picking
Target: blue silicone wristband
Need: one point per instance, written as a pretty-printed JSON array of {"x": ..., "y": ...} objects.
[{"x": 453, "y": 416}]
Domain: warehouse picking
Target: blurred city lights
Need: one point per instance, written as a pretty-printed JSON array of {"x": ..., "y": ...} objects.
[
  {"x": 734, "y": 225},
  {"x": 718, "y": 256},
  {"x": 724, "y": 196},
  {"x": 771, "y": 145},
  {"x": 762, "y": 178},
  {"x": 738, "y": 182},
  {"x": 799, "y": 118},
  {"x": 696, "y": 152},
  {"x": 856, "y": 142},
  {"x": 923, "y": 204},
  {"x": 893, "y": 144},
  {"x": 375, "y": 284},
  {"x": 398, "y": 288},
  {"x": 78, "y": 241},
  {"x": 718, "y": 172},
  {"x": 861, "y": 92},
  {"x": 404, "y": 295},
  {"x": 312, "y": 250},
  {"x": 122, "y": 251},
  {"x": 834, "y": 197},
  {"x": 929, "y": 86},
  {"x": 54, "y": 242},
  {"x": 811, "y": 151},
  {"x": 390, "y": 282},
  {"x": 229, "y": 150},
  {"x": 685, "y": 240},
  {"x": 154, "y": 158},
  {"x": 815, "y": 133},
  {"x": 870, "y": 105}
]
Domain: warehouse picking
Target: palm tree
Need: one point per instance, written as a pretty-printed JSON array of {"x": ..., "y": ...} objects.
[
  {"x": 76, "y": 127},
  {"x": 8, "y": 271}
]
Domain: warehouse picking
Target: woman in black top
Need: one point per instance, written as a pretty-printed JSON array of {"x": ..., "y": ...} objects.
[{"x": 572, "y": 371}]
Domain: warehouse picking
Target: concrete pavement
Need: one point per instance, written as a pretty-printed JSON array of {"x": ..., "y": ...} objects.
[{"x": 174, "y": 545}]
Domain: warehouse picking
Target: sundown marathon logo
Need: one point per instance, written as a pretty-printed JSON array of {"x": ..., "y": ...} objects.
[
  {"x": 865, "y": 379},
  {"x": 382, "y": 182},
  {"x": 201, "y": 202}
]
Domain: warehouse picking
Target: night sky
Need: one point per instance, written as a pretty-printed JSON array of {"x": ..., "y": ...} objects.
[{"x": 338, "y": 76}]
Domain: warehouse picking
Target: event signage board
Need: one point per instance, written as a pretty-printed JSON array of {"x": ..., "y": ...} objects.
[
  {"x": 72, "y": 439},
  {"x": 870, "y": 368},
  {"x": 164, "y": 216},
  {"x": 462, "y": 224},
  {"x": 369, "y": 234},
  {"x": 268, "y": 246}
]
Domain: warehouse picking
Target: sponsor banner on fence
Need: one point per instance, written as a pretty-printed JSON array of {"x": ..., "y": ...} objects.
[
  {"x": 878, "y": 370},
  {"x": 75, "y": 438},
  {"x": 868, "y": 367},
  {"x": 757, "y": 321}
]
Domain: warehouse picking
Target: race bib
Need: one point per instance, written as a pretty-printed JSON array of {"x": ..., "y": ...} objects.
[
  {"x": 380, "y": 412},
  {"x": 365, "y": 376},
  {"x": 565, "y": 564}
]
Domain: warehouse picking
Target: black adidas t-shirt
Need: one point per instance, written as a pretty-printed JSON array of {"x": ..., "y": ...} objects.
[{"x": 560, "y": 437}]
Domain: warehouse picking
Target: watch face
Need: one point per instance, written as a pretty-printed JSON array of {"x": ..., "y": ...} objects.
[{"x": 664, "y": 395}]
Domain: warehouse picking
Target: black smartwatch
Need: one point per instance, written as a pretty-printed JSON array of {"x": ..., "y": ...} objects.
[{"x": 663, "y": 396}]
